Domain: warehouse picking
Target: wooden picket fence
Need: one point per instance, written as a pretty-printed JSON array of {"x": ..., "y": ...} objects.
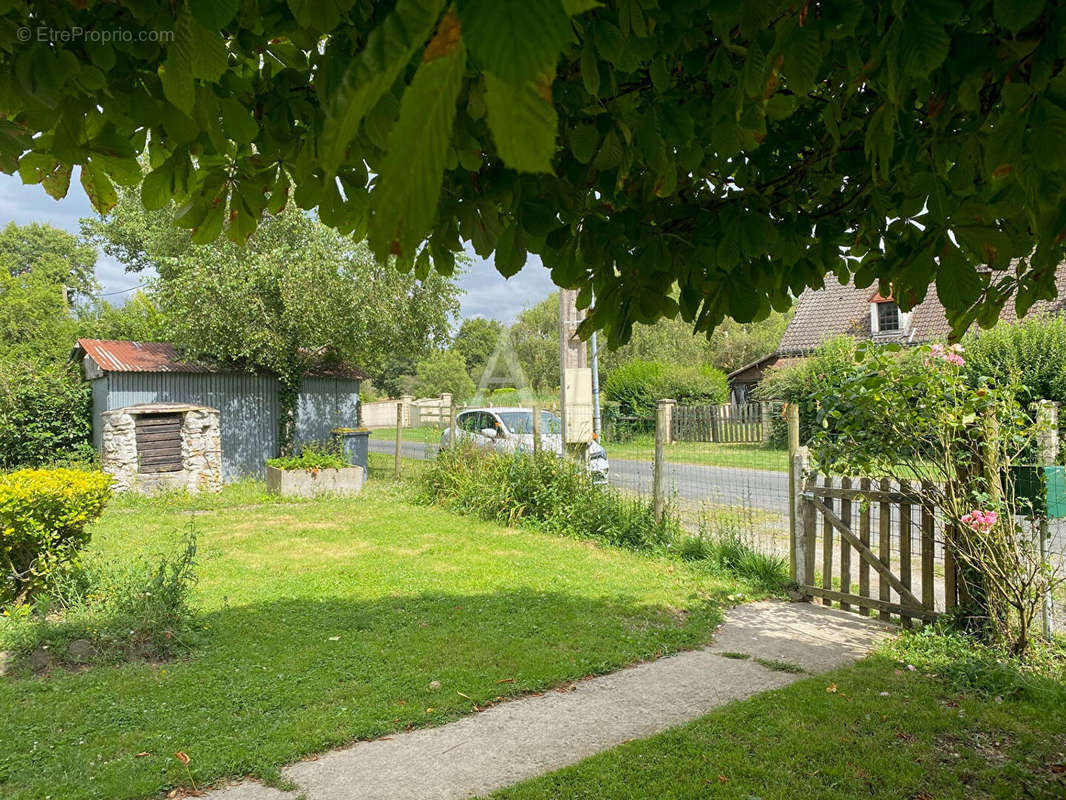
[
  {"x": 878, "y": 549},
  {"x": 741, "y": 423}
]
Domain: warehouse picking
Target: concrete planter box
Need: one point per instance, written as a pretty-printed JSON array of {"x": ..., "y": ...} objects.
[{"x": 308, "y": 483}]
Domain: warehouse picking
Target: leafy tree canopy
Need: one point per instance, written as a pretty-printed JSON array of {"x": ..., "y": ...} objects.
[
  {"x": 444, "y": 371},
  {"x": 733, "y": 148},
  {"x": 52, "y": 254},
  {"x": 34, "y": 323},
  {"x": 476, "y": 340},
  {"x": 296, "y": 292}
]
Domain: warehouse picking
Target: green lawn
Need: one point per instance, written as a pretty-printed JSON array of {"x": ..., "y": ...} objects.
[
  {"x": 425, "y": 435},
  {"x": 749, "y": 456},
  {"x": 881, "y": 732},
  {"x": 326, "y": 621},
  {"x": 642, "y": 448}
]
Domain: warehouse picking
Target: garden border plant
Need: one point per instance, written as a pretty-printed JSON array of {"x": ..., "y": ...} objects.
[
  {"x": 912, "y": 416},
  {"x": 44, "y": 519}
]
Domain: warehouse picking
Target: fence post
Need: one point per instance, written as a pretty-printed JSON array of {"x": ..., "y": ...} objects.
[
  {"x": 662, "y": 434},
  {"x": 536, "y": 428},
  {"x": 451, "y": 422},
  {"x": 764, "y": 420},
  {"x": 1047, "y": 418},
  {"x": 792, "y": 413},
  {"x": 399, "y": 437},
  {"x": 801, "y": 544},
  {"x": 669, "y": 419}
]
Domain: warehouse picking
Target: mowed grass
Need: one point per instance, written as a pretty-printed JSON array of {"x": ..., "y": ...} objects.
[
  {"x": 332, "y": 620},
  {"x": 426, "y": 434},
  {"x": 745, "y": 456},
  {"x": 876, "y": 730}
]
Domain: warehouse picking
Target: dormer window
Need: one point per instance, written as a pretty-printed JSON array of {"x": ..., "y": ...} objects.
[{"x": 887, "y": 317}]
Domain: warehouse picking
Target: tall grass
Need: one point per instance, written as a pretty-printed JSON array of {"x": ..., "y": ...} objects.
[{"x": 545, "y": 492}]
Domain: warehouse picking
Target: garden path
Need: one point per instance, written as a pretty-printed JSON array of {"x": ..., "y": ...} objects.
[{"x": 533, "y": 735}]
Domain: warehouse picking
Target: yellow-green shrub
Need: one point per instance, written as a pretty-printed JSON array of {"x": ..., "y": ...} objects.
[{"x": 44, "y": 518}]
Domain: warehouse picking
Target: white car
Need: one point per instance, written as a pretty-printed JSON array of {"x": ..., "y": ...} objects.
[{"x": 511, "y": 430}]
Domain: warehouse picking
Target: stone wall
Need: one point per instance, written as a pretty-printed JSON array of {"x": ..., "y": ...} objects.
[{"x": 201, "y": 450}]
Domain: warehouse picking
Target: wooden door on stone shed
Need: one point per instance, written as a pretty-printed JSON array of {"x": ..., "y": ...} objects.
[{"x": 159, "y": 443}]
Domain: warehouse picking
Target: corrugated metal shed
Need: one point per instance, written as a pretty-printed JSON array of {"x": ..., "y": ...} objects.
[
  {"x": 248, "y": 403},
  {"x": 122, "y": 356}
]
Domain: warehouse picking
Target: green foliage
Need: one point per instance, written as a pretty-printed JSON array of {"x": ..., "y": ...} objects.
[
  {"x": 544, "y": 492},
  {"x": 298, "y": 294},
  {"x": 727, "y": 550},
  {"x": 1031, "y": 352},
  {"x": 45, "y": 414},
  {"x": 735, "y": 149},
  {"x": 535, "y": 336},
  {"x": 444, "y": 371},
  {"x": 50, "y": 254},
  {"x": 911, "y": 415},
  {"x": 312, "y": 457},
  {"x": 33, "y": 317},
  {"x": 639, "y": 385},
  {"x": 969, "y": 665},
  {"x": 44, "y": 518},
  {"x": 819, "y": 375},
  {"x": 476, "y": 341},
  {"x": 134, "y": 610},
  {"x": 139, "y": 319}
]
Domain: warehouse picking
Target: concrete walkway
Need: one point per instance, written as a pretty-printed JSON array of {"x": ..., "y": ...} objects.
[{"x": 530, "y": 736}]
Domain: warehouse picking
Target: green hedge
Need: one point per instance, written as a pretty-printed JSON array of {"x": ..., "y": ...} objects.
[
  {"x": 45, "y": 415},
  {"x": 639, "y": 385},
  {"x": 1031, "y": 352},
  {"x": 44, "y": 518}
]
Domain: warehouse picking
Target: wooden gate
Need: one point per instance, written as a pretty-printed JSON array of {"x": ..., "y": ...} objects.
[
  {"x": 870, "y": 547},
  {"x": 733, "y": 424}
]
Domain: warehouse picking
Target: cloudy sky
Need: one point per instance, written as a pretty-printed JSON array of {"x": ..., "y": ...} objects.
[{"x": 488, "y": 294}]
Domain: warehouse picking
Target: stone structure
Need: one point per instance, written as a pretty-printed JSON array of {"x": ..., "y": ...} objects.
[{"x": 200, "y": 466}]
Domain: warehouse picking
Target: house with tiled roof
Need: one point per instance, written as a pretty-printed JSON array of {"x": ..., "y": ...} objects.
[{"x": 846, "y": 310}]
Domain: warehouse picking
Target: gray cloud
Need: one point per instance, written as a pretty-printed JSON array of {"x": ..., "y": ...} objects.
[{"x": 489, "y": 294}]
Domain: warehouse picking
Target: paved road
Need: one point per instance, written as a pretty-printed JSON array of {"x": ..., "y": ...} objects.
[{"x": 753, "y": 488}]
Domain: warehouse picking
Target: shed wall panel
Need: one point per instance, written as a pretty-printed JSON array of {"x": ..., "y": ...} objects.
[
  {"x": 325, "y": 404},
  {"x": 247, "y": 405}
]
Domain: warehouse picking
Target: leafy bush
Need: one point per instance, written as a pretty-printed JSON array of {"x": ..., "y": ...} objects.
[
  {"x": 822, "y": 374},
  {"x": 45, "y": 415},
  {"x": 116, "y": 612},
  {"x": 1031, "y": 352},
  {"x": 312, "y": 457},
  {"x": 638, "y": 385},
  {"x": 545, "y": 492},
  {"x": 44, "y": 518}
]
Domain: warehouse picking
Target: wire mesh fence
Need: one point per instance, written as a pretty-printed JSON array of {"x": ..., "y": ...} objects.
[{"x": 725, "y": 471}]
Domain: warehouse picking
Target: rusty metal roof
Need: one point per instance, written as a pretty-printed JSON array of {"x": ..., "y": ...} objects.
[{"x": 123, "y": 356}]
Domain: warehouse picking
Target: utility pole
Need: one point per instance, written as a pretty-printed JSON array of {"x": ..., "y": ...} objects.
[
  {"x": 596, "y": 421},
  {"x": 575, "y": 377}
]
